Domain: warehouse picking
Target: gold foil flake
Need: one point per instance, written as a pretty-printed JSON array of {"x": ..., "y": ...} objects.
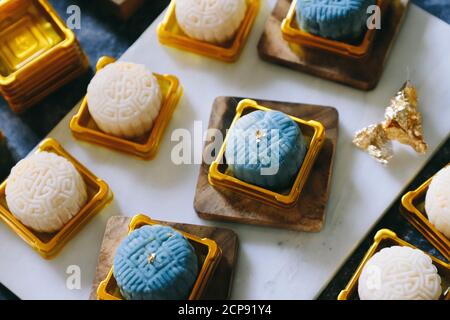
[
  {"x": 259, "y": 135},
  {"x": 402, "y": 120},
  {"x": 403, "y": 123},
  {"x": 374, "y": 140},
  {"x": 151, "y": 258}
]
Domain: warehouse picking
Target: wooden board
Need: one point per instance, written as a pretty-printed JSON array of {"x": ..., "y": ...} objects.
[
  {"x": 362, "y": 74},
  {"x": 309, "y": 213},
  {"x": 220, "y": 285}
]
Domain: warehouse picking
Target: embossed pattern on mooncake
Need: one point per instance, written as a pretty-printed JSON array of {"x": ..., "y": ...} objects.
[
  {"x": 334, "y": 19},
  {"x": 45, "y": 191},
  {"x": 399, "y": 273},
  {"x": 155, "y": 263},
  {"x": 265, "y": 148},
  {"x": 124, "y": 99},
  {"x": 437, "y": 201},
  {"x": 214, "y": 21}
]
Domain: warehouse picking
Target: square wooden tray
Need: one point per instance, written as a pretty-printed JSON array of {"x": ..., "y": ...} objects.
[
  {"x": 219, "y": 287},
  {"x": 309, "y": 213},
  {"x": 362, "y": 73}
]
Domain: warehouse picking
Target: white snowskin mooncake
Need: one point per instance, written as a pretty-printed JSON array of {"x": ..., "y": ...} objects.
[
  {"x": 214, "y": 21},
  {"x": 44, "y": 191},
  {"x": 399, "y": 273},
  {"x": 437, "y": 201},
  {"x": 124, "y": 99}
]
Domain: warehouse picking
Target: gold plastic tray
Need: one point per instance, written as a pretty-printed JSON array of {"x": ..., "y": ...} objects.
[
  {"x": 49, "y": 244},
  {"x": 169, "y": 33},
  {"x": 386, "y": 238},
  {"x": 218, "y": 175},
  {"x": 84, "y": 128},
  {"x": 292, "y": 33},
  {"x": 54, "y": 65},
  {"x": 19, "y": 105},
  {"x": 208, "y": 253},
  {"x": 33, "y": 32},
  {"x": 46, "y": 83},
  {"x": 413, "y": 210}
]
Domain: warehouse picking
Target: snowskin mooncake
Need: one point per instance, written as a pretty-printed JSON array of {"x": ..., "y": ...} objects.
[
  {"x": 44, "y": 191},
  {"x": 214, "y": 21},
  {"x": 266, "y": 148},
  {"x": 124, "y": 99},
  {"x": 334, "y": 19},
  {"x": 399, "y": 273},
  {"x": 155, "y": 263},
  {"x": 437, "y": 201}
]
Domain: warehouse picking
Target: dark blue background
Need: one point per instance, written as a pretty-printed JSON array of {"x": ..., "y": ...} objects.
[{"x": 101, "y": 35}]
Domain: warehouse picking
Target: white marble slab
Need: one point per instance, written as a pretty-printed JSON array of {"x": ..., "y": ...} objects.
[{"x": 273, "y": 264}]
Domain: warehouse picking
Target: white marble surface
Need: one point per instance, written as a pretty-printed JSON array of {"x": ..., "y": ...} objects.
[{"x": 273, "y": 264}]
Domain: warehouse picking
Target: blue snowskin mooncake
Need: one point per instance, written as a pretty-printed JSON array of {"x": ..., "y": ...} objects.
[
  {"x": 155, "y": 263},
  {"x": 265, "y": 148},
  {"x": 334, "y": 19}
]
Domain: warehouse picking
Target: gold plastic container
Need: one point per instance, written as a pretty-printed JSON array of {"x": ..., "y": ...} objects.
[
  {"x": 292, "y": 33},
  {"x": 386, "y": 238},
  {"x": 30, "y": 98},
  {"x": 208, "y": 253},
  {"x": 169, "y": 33},
  {"x": 35, "y": 32},
  {"x": 49, "y": 244},
  {"x": 38, "y": 52},
  {"x": 56, "y": 64},
  {"x": 413, "y": 209},
  {"x": 84, "y": 128},
  {"x": 218, "y": 175}
]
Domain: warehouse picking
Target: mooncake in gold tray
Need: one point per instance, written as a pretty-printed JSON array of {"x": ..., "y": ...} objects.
[
  {"x": 57, "y": 186},
  {"x": 206, "y": 250},
  {"x": 84, "y": 127},
  {"x": 220, "y": 46}
]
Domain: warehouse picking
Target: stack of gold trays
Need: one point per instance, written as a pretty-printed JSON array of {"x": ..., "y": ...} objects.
[{"x": 38, "y": 52}]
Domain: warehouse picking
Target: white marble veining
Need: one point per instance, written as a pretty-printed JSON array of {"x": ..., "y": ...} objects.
[{"x": 272, "y": 263}]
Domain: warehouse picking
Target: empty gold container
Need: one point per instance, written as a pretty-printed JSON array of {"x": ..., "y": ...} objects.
[{"x": 38, "y": 53}]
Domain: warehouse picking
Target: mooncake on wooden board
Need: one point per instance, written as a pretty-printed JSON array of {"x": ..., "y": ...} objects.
[
  {"x": 309, "y": 213},
  {"x": 155, "y": 263},
  {"x": 219, "y": 286},
  {"x": 363, "y": 73}
]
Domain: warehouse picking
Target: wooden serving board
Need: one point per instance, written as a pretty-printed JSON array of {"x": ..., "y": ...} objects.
[
  {"x": 309, "y": 213},
  {"x": 362, "y": 74},
  {"x": 219, "y": 287}
]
